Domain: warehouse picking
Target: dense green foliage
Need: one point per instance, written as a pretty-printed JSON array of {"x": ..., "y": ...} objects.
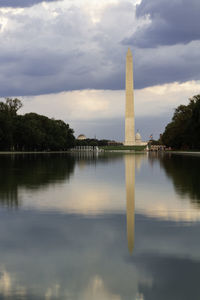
[
  {"x": 31, "y": 132},
  {"x": 96, "y": 142},
  {"x": 92, "y": 142},
  {"x": 124, "y": 148},
  {"x": 183, "y": 132},
  {"x": 155, "y": 142}
]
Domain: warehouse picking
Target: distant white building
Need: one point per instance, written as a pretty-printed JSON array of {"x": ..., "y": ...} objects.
[
  {"x": 138, "y": 140},
  {"x": 81, "y": 137}
]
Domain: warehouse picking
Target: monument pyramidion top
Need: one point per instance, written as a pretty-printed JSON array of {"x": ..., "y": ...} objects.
[{"x": 129, "y": 53}]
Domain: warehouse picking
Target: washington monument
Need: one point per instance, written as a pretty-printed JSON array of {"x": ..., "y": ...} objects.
[{"x": 129, "y": 117}]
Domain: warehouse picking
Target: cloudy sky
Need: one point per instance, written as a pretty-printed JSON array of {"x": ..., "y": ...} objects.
[{"x": 66, "y": 59}]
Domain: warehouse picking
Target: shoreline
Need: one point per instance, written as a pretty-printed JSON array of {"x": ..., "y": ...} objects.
[
  {"x": 34, "y": 152},
  {"x": 104, "y": 151}
]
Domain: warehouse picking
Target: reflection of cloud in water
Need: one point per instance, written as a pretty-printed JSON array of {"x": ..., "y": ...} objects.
[
  {"x": 9, "y": 287},
  {"x": 101, "y": 190},
  {"x": 99, "y": 186},
  {"x": 174, "y": 278},
  {"x": 87, "y": 258},
  {"x": 94, "y": 290},
  {"x": 165, "y": 206},
  {"x": 52, "y": 292},
  {"x": 88, "y": 193},
  {"x": 5, "y": 283},
  {"x": 130, "y": 199},
  {"x": 139, "y": 159},
  {"x": 68, "y": 256},
  {"x": 158, "y": 199},
  {"x": 93, "y": 200},
  {"x": 97, "y": 290},
  {"x": 78, "y": 257}
]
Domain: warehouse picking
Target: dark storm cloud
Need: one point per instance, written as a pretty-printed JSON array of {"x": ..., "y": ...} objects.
[
  {"x": 22, "y": 3},
  {"x": 167, "y": 64},
  {"x": 50, "y": 71},
  {"x": 172, "y": 22},
  {"x": 48, "y": 50}
]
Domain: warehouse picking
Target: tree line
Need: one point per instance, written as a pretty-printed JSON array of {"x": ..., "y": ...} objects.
[
  {"x": 31, "y": 132},
  {"x": 92, "y": 142},
  {"x": 183, "y": 132}
]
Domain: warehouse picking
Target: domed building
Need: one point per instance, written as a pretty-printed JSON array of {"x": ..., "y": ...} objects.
[
  {"x": 138, "y": 139},
  {"x": 81, "y": 137}
]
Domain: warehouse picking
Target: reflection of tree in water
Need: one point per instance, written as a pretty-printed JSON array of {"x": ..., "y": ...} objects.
[
  {"x": 93, "y": 157},
  {"x": 31, "y": 172},
  {"x": 184, "y": 171},
  {"x": 84, "y": 158}
]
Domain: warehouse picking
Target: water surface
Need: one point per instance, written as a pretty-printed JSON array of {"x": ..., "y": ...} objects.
[{"x": 84, "y": 227}]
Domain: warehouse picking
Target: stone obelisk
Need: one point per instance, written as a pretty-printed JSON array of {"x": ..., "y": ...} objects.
[{"x": 129, "y": 118}]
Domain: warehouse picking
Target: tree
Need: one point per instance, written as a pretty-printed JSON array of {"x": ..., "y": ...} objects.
[
  {"x": 183, "y": 132},
  {"x": 31, "y": 132},
  {"x": 8, "y": 112},
  {"x": 13, "y": 105}
]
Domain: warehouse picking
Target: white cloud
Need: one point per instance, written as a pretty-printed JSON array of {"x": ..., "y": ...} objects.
[
  {"x": 90, "y": 105},
  {"x": 64, "y": 45},
  {"x": 165, "y": 98},
  {"x": 101, "y": 112}
]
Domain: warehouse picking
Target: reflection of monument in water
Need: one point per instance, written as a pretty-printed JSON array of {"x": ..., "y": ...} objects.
[
  {"x": 130, "y": 199},
  {"x": 132, "y": 162}
]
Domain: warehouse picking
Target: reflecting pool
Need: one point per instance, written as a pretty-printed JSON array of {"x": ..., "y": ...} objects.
[{"x": 86, "y": 226}]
